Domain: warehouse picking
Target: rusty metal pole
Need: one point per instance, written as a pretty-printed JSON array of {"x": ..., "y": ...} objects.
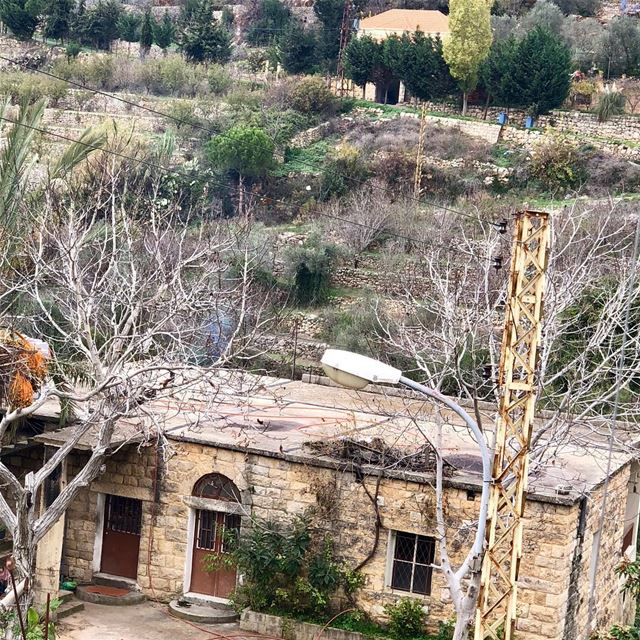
[
  {"x": 46, "y": 617},
  {"x": 15, "y": 595}
]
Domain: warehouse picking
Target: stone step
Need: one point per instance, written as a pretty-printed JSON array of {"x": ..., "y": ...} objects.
[
  {"x": 209, "y": 613},
  {"x": 107, "y": 580},
  {"x": 113, "y": 596},
  {"x": 65, "y": 596},
  {"x": 69, "y": 608}
]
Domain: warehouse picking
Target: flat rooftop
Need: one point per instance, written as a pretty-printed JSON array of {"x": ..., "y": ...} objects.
[{"x": 300, "y": 421}]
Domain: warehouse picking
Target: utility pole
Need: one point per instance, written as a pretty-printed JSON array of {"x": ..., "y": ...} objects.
[
  {"x": 496, "y": 613},
  {"x": 417, "y": 178},
  {"x": 342, "y": 88}
]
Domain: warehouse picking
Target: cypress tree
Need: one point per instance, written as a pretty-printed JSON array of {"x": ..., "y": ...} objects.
[
  {"x": 204, "y": 39},
  {"x": 164, "y": 32},
  {"x": 58, "y": 17},
  {"x": 146, "y": 33}
]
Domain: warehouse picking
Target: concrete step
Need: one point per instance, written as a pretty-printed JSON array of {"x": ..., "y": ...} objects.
[
  {"x": 210, "y": 613},
  {"x": 107, "y": 580},
  {"x": 114, "y": 596},
  {"x": 65, "y": 596},
  {"x": 69, "y": 608}
]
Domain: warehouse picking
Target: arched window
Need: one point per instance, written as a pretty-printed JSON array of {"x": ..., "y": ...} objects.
[{"x": 217, "y": 487}]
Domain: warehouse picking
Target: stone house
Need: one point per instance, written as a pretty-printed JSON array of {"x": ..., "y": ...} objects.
[
  {"x": 399, "y": 22},
  {"x": 364, "y": 462}
]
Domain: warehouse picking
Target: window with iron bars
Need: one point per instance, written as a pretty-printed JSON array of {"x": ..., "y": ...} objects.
[{"x": 412, "y": 562}]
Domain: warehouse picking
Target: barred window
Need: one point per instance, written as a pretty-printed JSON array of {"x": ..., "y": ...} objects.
[{"x": 412, "y": 567}]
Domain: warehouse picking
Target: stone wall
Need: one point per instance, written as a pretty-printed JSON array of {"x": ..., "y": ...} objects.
[{"x": 276, "y": 487}]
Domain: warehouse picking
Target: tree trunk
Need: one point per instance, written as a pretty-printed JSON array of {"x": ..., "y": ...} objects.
[
  {"x": 464, "y": 103},
  {"x": 24, "y": 546},
  {"x": 463, "y": 624}
]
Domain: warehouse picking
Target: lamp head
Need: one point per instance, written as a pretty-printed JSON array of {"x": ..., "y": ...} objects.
[{"x": 354, "y": 371}]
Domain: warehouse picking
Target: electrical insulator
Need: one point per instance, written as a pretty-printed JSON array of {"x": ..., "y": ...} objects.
[{"x": 500, "y": 227}]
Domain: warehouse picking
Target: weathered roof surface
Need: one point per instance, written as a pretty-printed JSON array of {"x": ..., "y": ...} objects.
[
  {"x": 407, "y": 20},
  {"x": 278, "y": 417}
]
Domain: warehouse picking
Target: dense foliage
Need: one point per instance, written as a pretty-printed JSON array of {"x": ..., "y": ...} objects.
[
  {"x": 288, "y": 568},
  {"x": 417, "y": 60},
  {"x": 533, "y": 72},
  {"x": 204, "y": 39}
]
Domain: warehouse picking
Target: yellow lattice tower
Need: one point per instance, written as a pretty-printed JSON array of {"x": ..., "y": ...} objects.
[
  {"x": 523, "y": 320},
  {"x": 417, "y": 179}
]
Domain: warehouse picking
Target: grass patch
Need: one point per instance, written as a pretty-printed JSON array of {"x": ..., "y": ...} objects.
[{"x": 309, "y": 159}]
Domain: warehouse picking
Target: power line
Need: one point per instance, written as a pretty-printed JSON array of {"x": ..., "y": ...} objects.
[{"x": 212, "y": 132}]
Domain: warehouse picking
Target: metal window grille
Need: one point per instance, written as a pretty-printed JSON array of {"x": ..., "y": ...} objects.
[
  {"x": 124, "y": 515},
  {"x": 413, "y": 557}
]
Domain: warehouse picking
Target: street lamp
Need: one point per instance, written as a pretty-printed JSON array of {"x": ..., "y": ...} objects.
[{"x": 355, "y": 371}]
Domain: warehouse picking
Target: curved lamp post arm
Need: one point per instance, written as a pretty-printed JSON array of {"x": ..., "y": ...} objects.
[{"x": 478, "y": 544}]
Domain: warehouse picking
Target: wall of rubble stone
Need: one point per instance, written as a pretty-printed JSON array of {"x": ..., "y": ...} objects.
[{"x": 275, "y": 487}]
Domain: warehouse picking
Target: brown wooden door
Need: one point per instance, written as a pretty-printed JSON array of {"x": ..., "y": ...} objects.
[
  {"x": 121, "y": 537},
  {"x": 209, "y": 538}
]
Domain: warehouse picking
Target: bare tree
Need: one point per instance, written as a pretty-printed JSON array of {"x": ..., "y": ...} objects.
[
  {"x": 137, "y": 299},
  {"x": 360, "y": 219},
  {"x": 453, "y": 333}
]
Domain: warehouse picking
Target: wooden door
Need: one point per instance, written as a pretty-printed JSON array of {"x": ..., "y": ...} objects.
[
  {"x": 209, "y": 539},
  {"x": 121, "y": 536}
]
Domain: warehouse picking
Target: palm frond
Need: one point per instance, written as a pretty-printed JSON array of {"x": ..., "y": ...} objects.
[
  {"x": 15, "y": 160},
  {"x": 91, "y": 140}
]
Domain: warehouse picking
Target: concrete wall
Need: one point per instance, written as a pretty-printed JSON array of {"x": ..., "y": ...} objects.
[{"x": 276, "y": 488}]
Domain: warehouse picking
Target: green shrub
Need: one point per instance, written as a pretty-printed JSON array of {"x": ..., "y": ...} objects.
[
  {"x": 407, "y": 618},
  {"x": 73, "y": 50},
  {"x": 344, "y": 170},
  {"x": 311, "y": 95},
  {"x": 171, "y": 75},
  {"x": 311, "y": 266},
  {"x": 611, "y": 103},
  {"x": 96, "y": 71},
  {"x": 557, "y": 165},
  {"x": 218, "y": 79},
  {"x": 288, "y": 568},
  {"x": 617, "y": 632},
  {"x": 445, "y": 630},
  {"x": 27, "y": 87}
]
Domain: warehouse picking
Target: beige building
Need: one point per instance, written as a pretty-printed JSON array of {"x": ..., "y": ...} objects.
[
  {"x": 280, "y": 448},
  {"x": 399, "y": 22}
]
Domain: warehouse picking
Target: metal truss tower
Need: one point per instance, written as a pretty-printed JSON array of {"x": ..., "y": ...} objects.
[{"x": 496, "y": 615}]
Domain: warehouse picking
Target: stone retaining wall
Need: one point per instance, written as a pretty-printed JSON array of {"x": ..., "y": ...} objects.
[{"x": 286, "y": 628}]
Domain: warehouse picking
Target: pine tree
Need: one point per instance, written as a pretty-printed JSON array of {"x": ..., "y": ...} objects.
[
  {"x": 146, "y": 33},
  {"x": 361, "y": 58},
  {"x": 128, "y": 27},
  {"x": 164, "y": 32},
  {"x": 21, "y": 17},
  {"x": 541, "y": 72},
  {"x": 421, "y": 66},
  {"x": 58, "y": 17},
  {"x": 469, "y": 42},
  {"x": 204, "y": 39},
  {"x": 496, "y": 72},
  {"x": 329, "y": 13},
  {"x": 273, "y": 16},
  {"x": 298, "y": 49}
]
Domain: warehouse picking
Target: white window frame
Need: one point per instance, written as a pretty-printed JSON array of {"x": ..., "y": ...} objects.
[{"x": 391, "y": 552}]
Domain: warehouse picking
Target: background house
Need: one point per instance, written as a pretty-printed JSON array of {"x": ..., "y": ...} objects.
[{"x": 398, "y": 22}]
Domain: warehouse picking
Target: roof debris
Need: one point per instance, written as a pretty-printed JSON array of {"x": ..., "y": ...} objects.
[{"x": 375, "y": 452}]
